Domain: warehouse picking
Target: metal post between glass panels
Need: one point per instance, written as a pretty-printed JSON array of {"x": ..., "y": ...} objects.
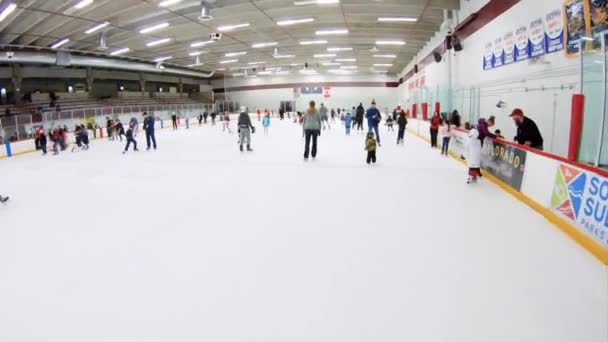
[{"x": 603, "y": 119}]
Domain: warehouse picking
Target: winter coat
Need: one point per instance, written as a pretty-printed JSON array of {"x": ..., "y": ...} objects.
[
  {"x": 373, "y": 116},
  {"x": 149, "y": 124},
  {"x": 312, "y": 120},
  {"x": 402, "y": 122},
  {"x": 370, "y": 144},
  {"x": 323, "y": 112},
  {"x": 484, "y": 131},
  {"x": 266, "y": 121},
  {"x": 528, "y": 131},
  {"x": 473, "y": 151},
  {"x": 435, "y": 122},
  {"x": 133, "y": 122},
  {"x": 360, "y": 113},
  {"x": 244, "y": 120},
  {"x": 348, "y": 120},
  {"x": 130, "y": 133}
]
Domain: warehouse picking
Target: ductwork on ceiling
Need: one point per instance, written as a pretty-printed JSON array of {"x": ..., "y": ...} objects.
[{"x": 68, "y": 59}]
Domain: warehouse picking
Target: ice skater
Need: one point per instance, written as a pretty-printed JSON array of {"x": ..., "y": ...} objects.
[
  {"x": 389, "y": 123},
  {"x": 119, "y": 129},
  {"x": 41, "y": 134},
  {"x": 373, "y": 120},
  {"x": 174, "y": 120},
  {"x": 312, "y": 130},
  {"x": 149, "y": 129},
  {"x": 135, "y": 124},
  {"x": 370, "y": 147},
  {"x": 130, "y": 140},
  {"x": 348, "y": 121},
  {"x": 473, "y": 156},
  {"x": 324, "y": 117},
  {"x": 226, "y": 123},
  {"x": 446, "y": 135},
  {"x": 110, "y": 128},
  {"x": 81, "y": 135},
  {"x": 245, "y": 129},
  {"x": 266, "y": 123},
  {"x": 402, "y": 123},
  {"x": 200, "y": 119}
]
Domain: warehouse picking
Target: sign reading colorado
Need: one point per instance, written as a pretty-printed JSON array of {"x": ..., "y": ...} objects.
[{"x": 582, "y": 198}]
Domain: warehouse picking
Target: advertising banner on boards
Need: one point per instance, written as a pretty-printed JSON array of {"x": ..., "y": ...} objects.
[
  {"x": 504, "y": 161},
  {"x": 581, "y": 198}
]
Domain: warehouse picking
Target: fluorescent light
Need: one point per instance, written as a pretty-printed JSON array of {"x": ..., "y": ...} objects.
[
  {"x": 308, "y": 71},
  {"x": 229, "y": 61},
  {"x": 197, "y": 44},
  {"x": 315, "y": 2},
  {"x": 153, "y": 28},
  {"x": 283, "y": 56},
  {"x": 336, "y": 49},
  {"x": 587, "y": 38},
  {"x": 390, "y": 42},
  {"x": 313, "y": 42},
  {"x": 83, "y": 3},
  {"x": 169, "y": 3},
  {"x": 7, "y": 10},
  {"x": 238, "y": 74},
  {"x": 220, "y": 69},
  {"x": 262, "y": 45},
  {"x": 339, "y": 71},
  {"x": 331, "y": 32},
  {"x": 397, "y": 19},
  {"x": 232, "y": 27},
  {"x": 346, "y": 59},
  {"x": 265, "y": 73},
  {"x": 295, "y": 21},
  {"x": 233, "y": 54},
  {"x": 325, "y": 55},
  {"x": 97, "y": 28},
  {"x": 158, "y": 42},
  {"x": 256, "y": 63},
  {"x": 119, "y": 52},
  {"x": 349, "y": 67},
  {"x": 331, "y": 64},
  {"x": 385, "y": 56},
  {"x": 382, "y": 65},
  {"x": 160, "y": 59},
  {"x": 196, "y": 53},
  {"x": 60, "y": 43}
]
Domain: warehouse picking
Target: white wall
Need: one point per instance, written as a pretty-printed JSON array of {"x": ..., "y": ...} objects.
[
  {"x": 341, "y": 97},
  {"x": 519, "y": 84}
]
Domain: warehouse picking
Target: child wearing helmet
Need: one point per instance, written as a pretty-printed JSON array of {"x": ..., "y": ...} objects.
[
  {"x": 370, "y": 147},
  {"x": 473, "y": 156}
]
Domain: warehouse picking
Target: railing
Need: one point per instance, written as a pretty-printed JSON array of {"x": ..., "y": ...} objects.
[{"x": 22, "y": 126}]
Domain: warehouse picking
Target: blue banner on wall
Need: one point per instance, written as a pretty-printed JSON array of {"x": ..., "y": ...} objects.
[
  {"x": 554, "y": 31},
  {"x": 522, "y": 44},
  {"x": 575, "y": 17},
  {"x": 536, "y": 35},
  {"x": 499, "y": 53},
  {"x": 488, "y": 57},
  {"x": 509, "y": 48}
]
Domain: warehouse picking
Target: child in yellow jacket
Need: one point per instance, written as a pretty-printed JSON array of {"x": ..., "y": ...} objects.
[{"x": 370, "y": 147}]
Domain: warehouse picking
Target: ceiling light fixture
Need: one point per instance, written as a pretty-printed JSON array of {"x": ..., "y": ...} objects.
[
  {"x": 331, "y": 32},
  {"x": 7, "y": 11},
  {"x": 83, "y": 4},
  {"x": 390, "y": 42},
  {"x": 234, "y": 54},
  {"x": 346, "y": 59},
  {"x": 160, "y": 59},
  {"x": 308, "y": 71},
  {"x": 313, "y": 42},
  {"x": 256, "y": 63},
  {"x": 196, "y": 53},
  {"x": 262, "y": 45},
  {"x": 382, "y": 65},
  {"x": 325, "y": 55},
  {"x": 97, "y": 28},
  {"x": 331, "y": 64},
  {"x": 295, "y": 21},
  {"x": 265, "y": 73},
  {"x": 232, "y": 27},
  {"x": 197, "y": 44},
  {"x": 337, "y": 49},
  {"x": 283, "y": 56},
  {"x": 397, "y": 19},
  {"x": 153, "y": 28},
  {"x": 229, "y": 61},
  {"x": 349, "y": 67},
  {"x": 315, "y": 2},
  {"x": 158, "y": 42},
  {"x": 590, "y": 39},
  {"x": 169, "y": 3},
  {"x": 385, "y": 56},
  {"x": 119, "y": 52},
  {"x": 60, "y": 43}
]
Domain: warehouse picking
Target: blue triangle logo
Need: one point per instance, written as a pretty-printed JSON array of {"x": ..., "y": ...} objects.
[{"x": 576, "y": 190}]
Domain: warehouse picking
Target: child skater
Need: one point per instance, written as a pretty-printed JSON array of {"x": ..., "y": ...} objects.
[
  {"x": 446, "y": 133},
  {"x": 473, "y": 156},
  {"x": 402, "y": 123},
  {"x": 370, "y": 147},
  {"x": 266, "y": 123},
  {"x": 226, "y": 123},
  {"x": 130, "y": 140},
  {"x": 389, "y": 123},
  {"x": 348, "y": 121}
]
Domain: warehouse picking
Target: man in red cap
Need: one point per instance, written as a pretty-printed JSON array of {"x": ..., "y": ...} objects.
[{"x": 527, "y": 131}]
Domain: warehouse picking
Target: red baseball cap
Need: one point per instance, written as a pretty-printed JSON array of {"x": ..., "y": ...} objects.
[{"x": 517, "y": 112}]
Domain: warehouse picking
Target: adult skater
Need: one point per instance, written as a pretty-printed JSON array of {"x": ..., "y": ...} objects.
[
  {"x": 402, "y": 123},
  {"x": 373, "y": 120},
  {"x": 3, "y": 199},
  {"x": 435, "y": 123},
  {"x": 130, "y": 140},
  {"x": 205, "y": 115},
  {"x": 324, "y": 117},
  {"x": 245, "y": 129},
  {"x": 213, "y": 115},
  {"x": 312, "y": 130},
  {"x": 200, "y": 119},
  {"x": 174, "y": 120},
  {"x": 119, "y": 129},
  {"x": 149, "y": 129},
  {"x": 359, "y": 114},
  {"x": 135, "y": 124}
]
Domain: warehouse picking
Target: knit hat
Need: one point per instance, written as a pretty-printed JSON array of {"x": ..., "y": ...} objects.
[{"x": 517, "y": 112}]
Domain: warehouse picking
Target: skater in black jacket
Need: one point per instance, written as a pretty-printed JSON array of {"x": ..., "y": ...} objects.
[
  {"x": 130, "y": 140},
  {"x": 149, "y": 129},
  {"x": 245, "y": 129}
]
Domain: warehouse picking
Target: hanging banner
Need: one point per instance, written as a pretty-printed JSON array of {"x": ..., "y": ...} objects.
[
  {"x": 598, "y": 15},
  {"x": 522, "y": 44},
  {"x": 488, "y": 57},
  {"x": 509, "y": 48},
  {"x": 537, "y": 38},
  {"x": 554, "y": 31},
  {"x": 576, "y": 25},
  {"x": 581, "y": 197},
  {"x": 499, "y": 53}
]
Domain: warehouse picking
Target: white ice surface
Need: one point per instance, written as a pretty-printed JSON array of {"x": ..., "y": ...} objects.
[{"x": 197, "y": 242}]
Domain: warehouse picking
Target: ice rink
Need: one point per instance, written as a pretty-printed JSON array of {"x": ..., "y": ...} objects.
[{"x": 199, "y": 242}]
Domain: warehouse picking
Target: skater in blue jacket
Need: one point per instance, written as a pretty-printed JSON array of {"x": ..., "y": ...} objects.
[
  {"x": 348, "y": 120},
  {"x": 266, "y": 123}
]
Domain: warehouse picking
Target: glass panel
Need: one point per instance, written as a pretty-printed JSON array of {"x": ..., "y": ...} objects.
[{"x": 594, "y": 89}]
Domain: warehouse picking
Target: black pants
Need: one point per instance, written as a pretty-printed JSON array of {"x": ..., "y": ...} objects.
[
  {"x": 359, "y": 124},
  {"x": 150, "y": 136},
  {"x": 174, "y": 124},
  {"x": 43, "y": 145},
  {"x": 311, "y": 134},
  {"x": 129, "y": 141},
  {"x": 371, "y": 157},
  {"x": 400, "y": 135},
  {"x": 434, "y": 133}
]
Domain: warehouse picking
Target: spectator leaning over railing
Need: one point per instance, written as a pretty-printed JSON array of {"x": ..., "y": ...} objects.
[{"x": 527, "y": 131}]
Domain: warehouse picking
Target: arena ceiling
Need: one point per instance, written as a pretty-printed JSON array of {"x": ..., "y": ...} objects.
[{"x": 260, "y": 34}]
